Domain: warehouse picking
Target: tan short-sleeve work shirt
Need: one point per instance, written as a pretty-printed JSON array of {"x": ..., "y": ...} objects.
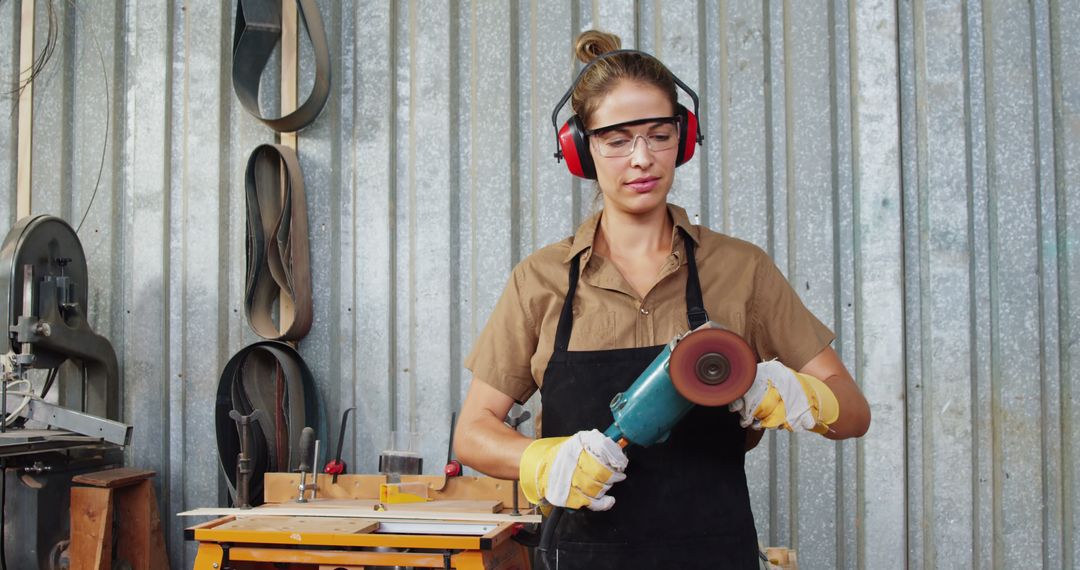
[{"x": 741, "y": 287}]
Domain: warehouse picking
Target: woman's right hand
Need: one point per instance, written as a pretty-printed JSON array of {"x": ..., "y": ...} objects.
[{"x": 572, "y": 472}]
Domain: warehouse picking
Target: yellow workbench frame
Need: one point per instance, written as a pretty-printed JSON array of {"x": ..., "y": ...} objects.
[
  {"x": 223, "y": 546},
  {"x": 251, "y": 550}
]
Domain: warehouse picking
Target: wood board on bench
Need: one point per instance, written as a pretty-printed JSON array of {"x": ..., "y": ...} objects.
[
  {"x": 305, "y": 510},
  {"x": 308, "y": 524},
  {"x": 355, "y": 496},
  {"x": 449, "y": 505},
  {"x": 282, "y": 487}
]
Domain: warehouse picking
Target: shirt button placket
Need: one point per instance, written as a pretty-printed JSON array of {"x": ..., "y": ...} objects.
[{"x": 644, "y": 327}]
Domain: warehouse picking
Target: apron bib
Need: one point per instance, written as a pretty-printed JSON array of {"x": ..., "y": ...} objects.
[{"x": 684, "y": 503}]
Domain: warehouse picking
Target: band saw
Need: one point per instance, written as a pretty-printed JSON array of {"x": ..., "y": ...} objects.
[{"x": 43, "y": 305}]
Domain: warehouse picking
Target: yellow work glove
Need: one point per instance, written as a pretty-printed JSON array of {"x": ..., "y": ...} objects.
[
  {"x": 783, "y": 398},
  {"x": 572, "y": 472}
]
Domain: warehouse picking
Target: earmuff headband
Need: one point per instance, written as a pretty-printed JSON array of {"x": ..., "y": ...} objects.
[{"x": 569, "y": 92}]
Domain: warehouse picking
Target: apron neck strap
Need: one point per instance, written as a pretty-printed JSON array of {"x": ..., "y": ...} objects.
[
  {"x": 695, "y": 308},
  {"x": 566, "y": 319}
]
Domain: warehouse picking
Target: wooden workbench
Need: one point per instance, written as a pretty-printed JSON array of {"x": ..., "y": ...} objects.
[
  {"x": 346, "y": 531},
  {"x": 258, "y": 542}
]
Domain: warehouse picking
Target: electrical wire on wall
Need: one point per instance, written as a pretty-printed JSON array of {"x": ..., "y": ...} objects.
[
  {"x": 40, "y": 62},
  {"x": 108, "y": 118},
  {"x": 41, "y": 59}
]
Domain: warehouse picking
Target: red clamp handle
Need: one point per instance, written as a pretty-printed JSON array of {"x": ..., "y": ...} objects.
[
  {"x": 452, "y": 469},
  {"x": 334, "y": 467}
]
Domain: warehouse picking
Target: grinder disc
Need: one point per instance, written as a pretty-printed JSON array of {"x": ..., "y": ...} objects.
[{"x": 712, "y": 367}]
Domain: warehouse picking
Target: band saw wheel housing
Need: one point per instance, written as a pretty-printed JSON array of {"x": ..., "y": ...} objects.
[
  {"x": 712, "y": 367},
  {"x": 51, "y": 246}
]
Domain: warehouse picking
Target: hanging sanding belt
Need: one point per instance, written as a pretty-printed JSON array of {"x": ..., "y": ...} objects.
[
  {"x": 248, "y": 384},
  {"x": 277, "y": 243},
  {"x": 258, "y": 31}
]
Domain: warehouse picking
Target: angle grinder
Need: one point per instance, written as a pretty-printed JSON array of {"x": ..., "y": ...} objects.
[{"x": 708, "y": 366}]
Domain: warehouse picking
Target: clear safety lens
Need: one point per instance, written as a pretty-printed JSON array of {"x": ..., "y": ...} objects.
[{"x": 621, "y": 141}]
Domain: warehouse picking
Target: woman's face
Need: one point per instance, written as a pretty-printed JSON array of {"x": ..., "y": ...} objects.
[{"x": 638, "y": 183}]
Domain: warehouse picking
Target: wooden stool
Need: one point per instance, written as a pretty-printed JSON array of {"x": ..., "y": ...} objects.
[{"x": 140, "y": 541}]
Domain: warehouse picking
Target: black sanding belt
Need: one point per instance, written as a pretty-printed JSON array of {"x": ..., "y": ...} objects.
[
  {"x": 277, "y": 243},
  {"x": 248, "y": 383},
  {"x": 257, "y": 32}
]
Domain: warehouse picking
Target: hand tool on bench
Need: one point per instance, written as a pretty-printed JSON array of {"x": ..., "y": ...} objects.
[
  {"x": 336, "y": 466},
  {"x": 708, "y": 366},
  {"x": 243, "y": 459},
  {"x": 515, "y": 418},
  {"x": 308, "y": 461},
  {"x": 453, "y": 466}
]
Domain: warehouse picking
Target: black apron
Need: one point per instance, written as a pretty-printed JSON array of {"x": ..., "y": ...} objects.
[{"x": 684, "y": 503}]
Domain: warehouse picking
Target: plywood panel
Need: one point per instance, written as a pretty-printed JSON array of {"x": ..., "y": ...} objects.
[{"x": 308, "y": 524}]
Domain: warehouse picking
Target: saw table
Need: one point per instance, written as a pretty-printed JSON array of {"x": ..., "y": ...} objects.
[{"x": 464, "y": 527}]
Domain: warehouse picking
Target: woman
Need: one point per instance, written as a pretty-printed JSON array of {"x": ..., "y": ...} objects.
[{"x": 580, "y": 319}]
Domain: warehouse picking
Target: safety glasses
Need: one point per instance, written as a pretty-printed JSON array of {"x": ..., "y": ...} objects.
[{"x": 619, "y": 140}]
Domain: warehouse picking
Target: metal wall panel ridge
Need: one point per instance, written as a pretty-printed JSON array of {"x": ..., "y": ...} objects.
[
  {"x": 938, "y": 260},
  {"x": 811, "y": 258},
  {"x": 9, "y": 115},
  {"x": 1065, "y": 49},
  {"x": 374, "y": 197},
  {"x": 1054, "y": 528},
  {"x": 877, "y": 212},
  {"x": 197, "y": 314},
  {"x": 433, "y": 189},
  {"x": 488, "y": 201},
  {"x": 145, "y": 347},
  {"x": 1012, "y": 171}
]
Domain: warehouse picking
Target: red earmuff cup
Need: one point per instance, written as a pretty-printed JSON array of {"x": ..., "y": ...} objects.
[
  {"x": 569, "y": 150},
  {"x": 689, "y": 139}
]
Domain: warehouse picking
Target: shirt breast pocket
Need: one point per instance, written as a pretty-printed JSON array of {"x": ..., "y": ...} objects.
[
  {"x": 593, "y": 330},
  {"x": 731, "y": 317}
]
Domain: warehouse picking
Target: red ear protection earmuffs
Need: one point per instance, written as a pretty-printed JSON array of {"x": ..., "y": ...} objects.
[{"x": 573, "y": 144}]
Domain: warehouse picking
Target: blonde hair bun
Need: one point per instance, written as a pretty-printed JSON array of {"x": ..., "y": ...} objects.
[{"x": 592, "y": 44}]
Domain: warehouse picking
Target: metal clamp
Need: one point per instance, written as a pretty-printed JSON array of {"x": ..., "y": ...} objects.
[
  {"x": 243, "y": 459},
  {"x": 515, "y": 420},
  {"x": 307, "y": 465}
]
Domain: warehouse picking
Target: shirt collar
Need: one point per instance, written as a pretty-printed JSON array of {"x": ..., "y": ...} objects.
[{"x": 586, "y": 232}]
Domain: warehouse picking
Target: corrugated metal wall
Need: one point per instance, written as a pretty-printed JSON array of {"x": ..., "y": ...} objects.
[{"x": 913, "y": 167}]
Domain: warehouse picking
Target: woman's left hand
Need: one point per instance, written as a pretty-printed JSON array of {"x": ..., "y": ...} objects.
[{"x": 783, "y": 398}]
